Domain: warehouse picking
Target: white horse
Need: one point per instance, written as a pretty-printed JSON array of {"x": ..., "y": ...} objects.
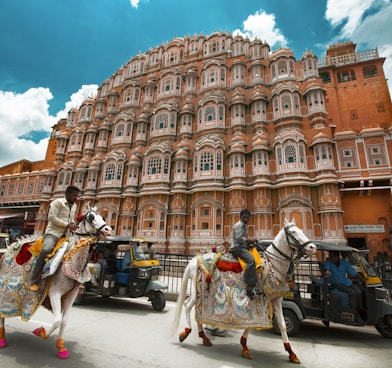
[
  {"x": 289, "y": 243},
  {"x": 57, "y": 292}
]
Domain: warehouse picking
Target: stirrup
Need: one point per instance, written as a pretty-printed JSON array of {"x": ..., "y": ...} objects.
[{"x": 34, "y": 287}]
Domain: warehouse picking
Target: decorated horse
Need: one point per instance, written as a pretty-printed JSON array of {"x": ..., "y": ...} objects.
[
  {"x": 219, "y": 291},
  {"x": 59, "y": 289}
]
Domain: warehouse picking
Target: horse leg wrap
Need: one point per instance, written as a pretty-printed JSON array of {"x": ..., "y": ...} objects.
[
  {"x": 184, "y": 334},
  {"x": 41, "y": 332},
  {"x": 3, "y": 341},
  {"x": 245, "y": 351},
  {"x": 62, "y": 351},
  {"x": 206, "y": 340},
  {"x": 293, "y": 358}
]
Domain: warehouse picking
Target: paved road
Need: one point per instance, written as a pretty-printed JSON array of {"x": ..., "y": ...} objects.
[{"x": 129, "y": 334}]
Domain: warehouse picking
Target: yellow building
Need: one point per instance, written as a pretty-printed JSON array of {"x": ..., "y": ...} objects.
[{"x": 183, "y": 137}]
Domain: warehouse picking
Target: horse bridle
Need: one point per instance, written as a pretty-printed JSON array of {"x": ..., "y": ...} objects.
[
  {"x": 88, "y": 217},
  {"x": 293, "y": 243}
]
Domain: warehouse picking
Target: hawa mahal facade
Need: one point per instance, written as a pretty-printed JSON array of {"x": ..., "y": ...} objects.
[{"x": 180, "y": 139}]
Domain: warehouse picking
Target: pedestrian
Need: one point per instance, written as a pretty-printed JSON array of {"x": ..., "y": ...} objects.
[{"x": 61, "y": 219}]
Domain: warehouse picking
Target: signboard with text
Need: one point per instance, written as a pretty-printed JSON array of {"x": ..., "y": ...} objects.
[{"x": 379, "y": 228}]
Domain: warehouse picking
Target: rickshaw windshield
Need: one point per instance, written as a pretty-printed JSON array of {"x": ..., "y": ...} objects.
[
  {"x": 355, "y": 259},
  {"x": 368, "y": 268}
]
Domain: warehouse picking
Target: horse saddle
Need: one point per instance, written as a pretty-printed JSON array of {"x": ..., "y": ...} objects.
[
  {"x": 33, "y": 249},
  {"x": 229, "y": 263}
]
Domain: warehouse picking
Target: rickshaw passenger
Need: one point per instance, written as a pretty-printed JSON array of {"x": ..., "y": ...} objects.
[
  {"x": 126, "y": 263},
  {"x": 96, "y": 263},
  {"x": 138, "y": 253},
  {"x": 151, "y": 254}
]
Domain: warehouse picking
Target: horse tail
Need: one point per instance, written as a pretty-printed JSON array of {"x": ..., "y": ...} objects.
[{"x": 181, "y": 298}]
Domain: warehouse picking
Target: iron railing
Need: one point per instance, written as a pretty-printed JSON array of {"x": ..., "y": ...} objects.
[{"x": 172, "y": 270}]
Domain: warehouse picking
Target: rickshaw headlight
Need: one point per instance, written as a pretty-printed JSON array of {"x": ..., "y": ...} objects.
[
  {"x": 144, "y": 273},
  {"x": 381, "y": 293}
]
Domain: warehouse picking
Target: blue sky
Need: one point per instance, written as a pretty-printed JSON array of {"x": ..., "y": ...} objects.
[{"x": 55, "y": 53}]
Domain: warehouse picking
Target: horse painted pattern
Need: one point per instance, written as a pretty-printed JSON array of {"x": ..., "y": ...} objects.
[{"x": 222, "y": 301}]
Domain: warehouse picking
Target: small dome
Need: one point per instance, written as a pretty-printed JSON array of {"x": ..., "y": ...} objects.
[{"x": 321, "y": 137}]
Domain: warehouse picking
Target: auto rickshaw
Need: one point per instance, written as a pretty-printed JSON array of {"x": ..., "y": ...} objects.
[
  {"x": 312, "y": 296},
  {"x": 125, "y": 271}
]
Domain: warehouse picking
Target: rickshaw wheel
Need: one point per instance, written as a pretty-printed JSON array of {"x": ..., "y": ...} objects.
[
  {"x": 384, "y": 326},
  {"x": 158, "y": 300}
]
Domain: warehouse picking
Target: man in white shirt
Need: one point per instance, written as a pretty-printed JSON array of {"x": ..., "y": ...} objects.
[{"x": 62, "y": 213}]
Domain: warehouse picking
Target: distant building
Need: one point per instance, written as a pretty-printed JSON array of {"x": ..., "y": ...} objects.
[{"x": 183, "y": 137}]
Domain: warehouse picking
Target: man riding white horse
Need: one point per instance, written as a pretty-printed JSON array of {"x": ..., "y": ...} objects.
[
  {"x": 57, "y": 291},
  {"x": 240, "y": 248},
  {"x": 61, "y": 218},
  {"x": 218, "y": 290}
]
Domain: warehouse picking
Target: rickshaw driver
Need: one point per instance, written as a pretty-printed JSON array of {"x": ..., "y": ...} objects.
[
  {"x": 137, "y": 255},
  {"x": 336, "y": 269}
]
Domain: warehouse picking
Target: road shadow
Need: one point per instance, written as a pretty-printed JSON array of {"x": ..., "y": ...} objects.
[
  {"x": 39, "y": 353},
  {"x": 135, "y": 306}
]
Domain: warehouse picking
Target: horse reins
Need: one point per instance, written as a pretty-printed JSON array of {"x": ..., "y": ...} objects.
[
  {"x": 87, "y": 219},
  {"x": 290, "y": 240}
]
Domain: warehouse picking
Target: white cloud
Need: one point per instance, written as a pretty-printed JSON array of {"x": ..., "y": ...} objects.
[
  {"x": 20, "y": 114},
  {"x": 134, "y": 3},
  {"x": 262, "y": 26},
  {"x": 367, "y": 31},
  {"x": 347, "y": 12},
  {"x": 76, "y": 99}
]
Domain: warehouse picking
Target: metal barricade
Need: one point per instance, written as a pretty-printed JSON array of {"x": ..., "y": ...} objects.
[
  {"x": 386, "y": 277},
  {"x": 172, "y": 270}
]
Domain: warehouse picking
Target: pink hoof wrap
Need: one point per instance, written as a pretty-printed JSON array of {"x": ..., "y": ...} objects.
[
  {"x": 62, "y": 350},
  {"x": 3, "y": 341},
  {"x": 41, "y": 332},
  {"x": 63, "y": 354}
]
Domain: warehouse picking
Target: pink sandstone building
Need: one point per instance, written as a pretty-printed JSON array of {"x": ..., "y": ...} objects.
[{"x": 184, "y": 136}]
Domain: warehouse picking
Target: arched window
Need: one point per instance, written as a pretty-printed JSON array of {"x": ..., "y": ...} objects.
[
  {"x": 113, "y": 172},
  {"x": 260, "y": 162},
  {"x": 206, "y": 161},
  {"x": 210, "y": 113},
  {"x": 290, "y": 154},
  {"x": 164, "y": 123},
  {"x": 154, "y": 165},
  {"x": 109, "y": 172},
  {"x": 120, "y": 130}
]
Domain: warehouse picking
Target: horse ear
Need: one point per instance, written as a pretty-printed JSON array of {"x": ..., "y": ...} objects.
[
  {"x": 286, "y": 222},
  {"x": 293, "y": 220},
  {"x": 87, "y": 207}
]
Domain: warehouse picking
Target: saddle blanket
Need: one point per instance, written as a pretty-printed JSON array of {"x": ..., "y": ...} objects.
[
  {"x": 16, "y": 298},
  {"x": 221, "y": 301}
]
